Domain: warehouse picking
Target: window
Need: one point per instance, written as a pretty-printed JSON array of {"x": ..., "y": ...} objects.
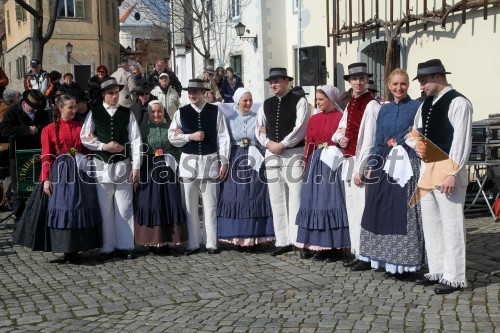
[
  {"x": 115, "y": 11},
  {"x": 71, "y": 8},
  {"x": 236, "y": 65},
  {"x": 21, "y": 67},
  {"x": 110, "y": 63},
  {"x": 374, "y": 55},
  {"x": 20, "y": 15},
  {"x": 8, "y": 22},
  {"x": 235, "y": 8},
  {"x": 107, "y": 12}
]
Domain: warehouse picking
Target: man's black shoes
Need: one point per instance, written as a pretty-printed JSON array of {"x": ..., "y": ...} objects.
[{"x": 281, "y": 250}]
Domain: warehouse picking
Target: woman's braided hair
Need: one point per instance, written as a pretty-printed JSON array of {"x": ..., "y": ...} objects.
[{"x": 56, "y": 114}]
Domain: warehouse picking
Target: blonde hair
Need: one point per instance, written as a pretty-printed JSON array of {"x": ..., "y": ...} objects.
[{"x": 398, "y": 71}]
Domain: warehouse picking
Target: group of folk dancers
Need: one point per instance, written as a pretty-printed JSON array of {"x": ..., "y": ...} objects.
[{"x": 358, "y": 178}]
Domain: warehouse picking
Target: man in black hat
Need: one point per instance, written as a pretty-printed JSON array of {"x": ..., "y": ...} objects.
[
  {"x": 24, "y": 121},
  {"x": 38, "y": 79},
  {"x": 285, "y": 117},
  {"x": 140, "y": 106},
  {"x": 208, "y": 77},
  {"x": 200, "y": 130},
  {"x": 356, "y": 137},
  {"x": 111, "y": 132},
  {"x": 82, "y": 103},
  {"x": 445, "y": 119}
]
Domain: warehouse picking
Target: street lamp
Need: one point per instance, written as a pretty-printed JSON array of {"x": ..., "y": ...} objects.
[
  {"x": 69, "y": 50},
  {"x": 240, "y": 31}
]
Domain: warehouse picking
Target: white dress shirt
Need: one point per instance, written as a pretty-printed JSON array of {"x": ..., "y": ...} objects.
[
  {"x": 460, "y": 116},
  {"x": 201, "y": 166},
  {"x": 296, "y": 135},
  {"x": 110, "y": 171}
]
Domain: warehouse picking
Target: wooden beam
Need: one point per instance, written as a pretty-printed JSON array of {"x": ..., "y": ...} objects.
[
  {"x": 327, "y": 22},
  {"x": 378, "y": 18},
  {"x": 464, "y": 13},
  {"x": 350, "y": 21},
  {"x": 408, "y": 15},
  {"x": 363, "y": 18},
  {"x": 425, "y": 14},
  {"x": 485, "y": 10}
]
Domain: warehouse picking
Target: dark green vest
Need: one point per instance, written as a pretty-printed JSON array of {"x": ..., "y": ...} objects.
[{"x": 109, "y": 129}]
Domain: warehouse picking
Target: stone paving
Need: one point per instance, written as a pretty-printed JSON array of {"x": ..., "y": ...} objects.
[{"x": 239, "y": 292}]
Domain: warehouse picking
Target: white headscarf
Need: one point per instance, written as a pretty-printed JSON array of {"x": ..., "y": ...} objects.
[
  {"x": 333, "y": 95},
  {"x": 237, "y": 96}
]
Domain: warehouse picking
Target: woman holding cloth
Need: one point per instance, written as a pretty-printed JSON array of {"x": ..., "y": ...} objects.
[
  {"x": 244, "y": 213},
  {"x": 159, "y": 219},
  {"x": 391, "y": 230},
  {"x": 322, "y": 217}
]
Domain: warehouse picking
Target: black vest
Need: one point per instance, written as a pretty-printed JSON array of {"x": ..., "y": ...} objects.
[
  {"x": 436, "y": 124},
  {"x": 109, "y": 129},
  {"x": 281, "y": 116},
  {"x": 205, "y": 121}
]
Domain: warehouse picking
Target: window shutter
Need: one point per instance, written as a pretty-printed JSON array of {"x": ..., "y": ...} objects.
[
  {"x": 79, "y": 8},
  {"x": 18, "y": 76},
  {"x": 107, "y": 12}
]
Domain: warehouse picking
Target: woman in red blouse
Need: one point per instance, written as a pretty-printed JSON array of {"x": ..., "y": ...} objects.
[
  {"x": 322, "y": 217},
  {"x": 72, "y": 217}
]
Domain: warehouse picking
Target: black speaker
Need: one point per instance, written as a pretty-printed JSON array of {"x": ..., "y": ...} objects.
[{"x": 312, "y": 65}]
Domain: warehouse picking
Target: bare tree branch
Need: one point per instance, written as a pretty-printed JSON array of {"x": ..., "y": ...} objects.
[{"x": 28, "y": 8}]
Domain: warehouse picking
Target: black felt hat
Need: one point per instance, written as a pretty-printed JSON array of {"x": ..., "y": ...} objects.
[{"x": 433, "y": 66}]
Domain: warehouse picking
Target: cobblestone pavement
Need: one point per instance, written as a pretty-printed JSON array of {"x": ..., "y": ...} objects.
[{"x": 239, "y": 292}]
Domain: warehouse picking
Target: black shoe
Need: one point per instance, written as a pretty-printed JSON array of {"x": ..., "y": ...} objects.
[
  {"x": 361, "y": 266},
  {"x": 281, "y": 250},
  {"x": 126, "y": 254},
  {"x": 71, "y": 258},
  {"x": 160, "y": 250},
  {"x": 351, "y": 263},
  {"x": 213, "y": 251},
  {"x": 423, "y": 281},
  {"x": 106, "y": 256},
  {"x": 305, "y": 254},
  {"x": 191, "y": 252},
  {"x": 442, "y": 289},
  {"x": 333, "y": 255},
  {"x": 320, "y": 256}
]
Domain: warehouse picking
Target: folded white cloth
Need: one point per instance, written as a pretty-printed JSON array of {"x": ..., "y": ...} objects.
[
  {"x": 332, "y": 156},
  {"x": 257, "y": 157},
  {"x": 398, "y": 165}
]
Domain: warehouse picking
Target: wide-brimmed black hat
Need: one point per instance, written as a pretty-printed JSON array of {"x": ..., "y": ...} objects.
[
  {"x": 142, "y": 88},
  {"x": 109, "y": 83},
  {"x": 35, "y": 98},
  {"x": 357, "y": 69},
  {"x": 277, "y": 72},
  {"x": 433, "y": 66},
  {"x": 371, "y": 86},
  {"x": 196, "y": 84},
  {"x": 299, "y": 91}
]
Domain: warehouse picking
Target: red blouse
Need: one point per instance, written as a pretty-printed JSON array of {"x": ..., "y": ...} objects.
[
  {"x": 69, "y": 137},
  {"x": 320, "y": 129}
]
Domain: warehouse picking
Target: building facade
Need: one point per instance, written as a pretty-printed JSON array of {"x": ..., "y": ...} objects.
[{"x": 91, "y": 26}]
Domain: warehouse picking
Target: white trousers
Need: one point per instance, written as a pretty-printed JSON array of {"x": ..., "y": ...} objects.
[
  {"x": 444, "y": 234},
  {"x": 190, "y": 190},
  {"x": 355, "y": 205},
  {"x": 285, "y": 185},
  {"x": 117, "y": 213}
]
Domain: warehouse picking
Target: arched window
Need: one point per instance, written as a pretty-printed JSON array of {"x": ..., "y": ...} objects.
[{"x": 374, "y": 55}]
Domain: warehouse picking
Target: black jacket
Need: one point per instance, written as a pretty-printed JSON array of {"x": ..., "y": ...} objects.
[
  {"x": 95, "y": 90},
  {"x": 141, "y": 111},
  {"x": 17, "y": 123}
]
